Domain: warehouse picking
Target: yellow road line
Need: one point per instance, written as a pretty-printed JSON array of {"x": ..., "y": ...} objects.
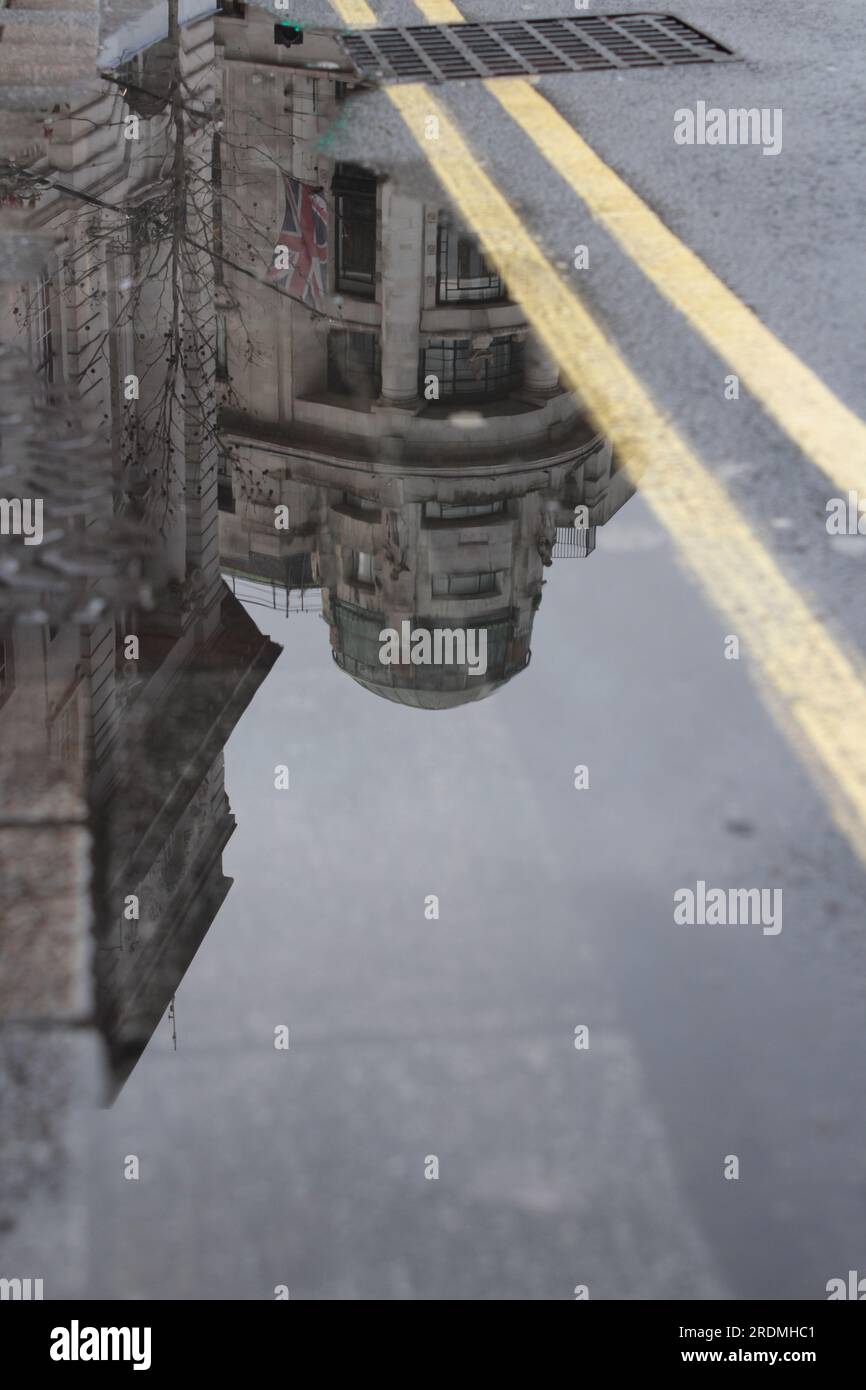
[
  {"x": 814, "y": 687},
  {"x": 439, "y": 11},
  {"x": 793, "y": 395},
  {"x": 816, "y": 690},
  {"x": 359, "y": 12},
  {"x": 797, "y": 399}
]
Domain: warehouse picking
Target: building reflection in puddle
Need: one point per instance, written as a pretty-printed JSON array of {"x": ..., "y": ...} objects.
[
  {"x": 341, "y": 405},
  {"x": 393, "y": 432}
]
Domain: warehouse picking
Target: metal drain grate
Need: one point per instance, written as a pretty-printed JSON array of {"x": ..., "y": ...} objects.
[{"x": 515, "y": 47}]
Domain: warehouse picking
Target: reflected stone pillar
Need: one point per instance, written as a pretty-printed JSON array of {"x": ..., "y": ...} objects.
[
  {"x": 541, "y": 374},
  {"x": 402, "y": 279}
]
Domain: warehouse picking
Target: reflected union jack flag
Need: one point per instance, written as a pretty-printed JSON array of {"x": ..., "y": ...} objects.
[{"x": 305, "y": 236}]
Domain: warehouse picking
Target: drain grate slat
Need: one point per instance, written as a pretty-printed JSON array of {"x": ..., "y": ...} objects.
[{"x": 522, "y": 47}]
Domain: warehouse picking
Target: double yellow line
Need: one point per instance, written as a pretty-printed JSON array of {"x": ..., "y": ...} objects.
[
  {"x": 817, "y": 691},
  {"x": 793, "y": 395}
]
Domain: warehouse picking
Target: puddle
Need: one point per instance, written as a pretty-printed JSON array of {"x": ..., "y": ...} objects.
[{"x": 303, "y": 461}]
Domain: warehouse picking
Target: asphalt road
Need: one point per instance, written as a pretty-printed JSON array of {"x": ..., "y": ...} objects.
[{"x": 454, "y": 1038}]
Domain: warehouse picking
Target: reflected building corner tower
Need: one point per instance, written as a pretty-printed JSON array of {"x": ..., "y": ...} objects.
[{"x": 380, "y": 387}]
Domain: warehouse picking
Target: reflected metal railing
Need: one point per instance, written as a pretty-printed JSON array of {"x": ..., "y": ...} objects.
[
  {"x": 573, "y": 542},
  {"x": 269, "y": 593}
]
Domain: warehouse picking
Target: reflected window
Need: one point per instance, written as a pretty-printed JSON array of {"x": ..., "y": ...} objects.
[
  {"x": 362, "y": 567},
  {"x": 225, "y": 489},
  {"x": 355, "y": 204},
  {"x": 463, "y": 585},
  {"x": 44, "y": 343},
  {"x": 457, "y": 511},
  {"x": 217, "y": 209},
  {"x": 353, "y": 364},
  {"x": 464, "y": 370},
  {"x": 221, "y": 364},
  {"x": 464, "y": 275},
  {"x": 65, "y": 732}
]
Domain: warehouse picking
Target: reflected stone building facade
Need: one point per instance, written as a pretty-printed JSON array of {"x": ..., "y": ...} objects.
[
  {"x": 384, "y": 390},
  {"x": 114, "y": 713},
  {"x": 379, "y": 396}
]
